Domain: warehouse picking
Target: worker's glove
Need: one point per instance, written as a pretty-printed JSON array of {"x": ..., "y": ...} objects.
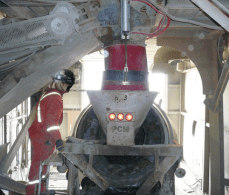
[{"x": 60, "y": 145}]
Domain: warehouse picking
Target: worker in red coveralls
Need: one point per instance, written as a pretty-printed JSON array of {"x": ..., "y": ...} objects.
[{"x": 44, "y": 132}]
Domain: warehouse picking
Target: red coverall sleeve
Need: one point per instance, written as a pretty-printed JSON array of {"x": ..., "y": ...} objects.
[{"x": 53, "y": 114}]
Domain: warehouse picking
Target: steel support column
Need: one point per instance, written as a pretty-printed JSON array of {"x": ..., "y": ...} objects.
[
  {"x": 205, "y": 182},
  {"x": 73, "y": 180},
  {"x": 215, "y": 153}
]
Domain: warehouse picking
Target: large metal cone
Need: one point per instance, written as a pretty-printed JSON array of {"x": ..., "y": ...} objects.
[{"x": 105, "y": 102}]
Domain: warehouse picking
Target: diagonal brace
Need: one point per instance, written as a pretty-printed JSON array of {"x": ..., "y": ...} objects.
[
  {"x": 156, "y": 176},
  {"x": 88, "y": 170},
  {"x": 213, "y": 103}
]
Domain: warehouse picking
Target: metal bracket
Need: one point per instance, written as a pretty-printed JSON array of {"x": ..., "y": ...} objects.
[
  {"x": 138, "y": 150},
  {"x": 88, "y": 170},
  {"x": 156, "y": 176},
  {"x": 7, "y": 183}
]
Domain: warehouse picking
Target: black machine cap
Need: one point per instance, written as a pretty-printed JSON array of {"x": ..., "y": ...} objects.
[{"x": 65, "y": 76}]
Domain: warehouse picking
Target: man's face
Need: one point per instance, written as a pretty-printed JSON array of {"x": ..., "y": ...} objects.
[{"x": 67, "y": 87}]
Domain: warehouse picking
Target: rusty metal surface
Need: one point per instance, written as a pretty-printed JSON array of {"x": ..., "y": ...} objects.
[
  {"x": 83, "y": 141},
  {"x": 204, "y": 56},
  {"x": 157, "y": 175},
  {"x": 74, "y": 152},
  {"x": 125, "y": 173},
  {"x": 139, "y": 150},
  {"x": 88, "y": 170}
]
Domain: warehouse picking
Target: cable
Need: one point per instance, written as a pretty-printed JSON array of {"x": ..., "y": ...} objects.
[
  {"x": 191, "y": 186},
  {"x": 159, "y": 29},
  {"x": 8, "y": 68},
  {"x": 161, "y": 23},
  {"x": 199, "y": 180},
  {"x": 149, "y": 4},
  {"x": 23, "y": 60},
  {"x": 159, "y": 33},
  {"x": 184, "y": 20}
]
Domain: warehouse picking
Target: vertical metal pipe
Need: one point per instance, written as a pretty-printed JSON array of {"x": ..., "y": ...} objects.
[
  {"x": 125, "y": 16},
  {"x": 5, "y": 129},
  {"x": 206, "y": 154},
  {"x": 221, "y": 138},
  {"x": 125, "y": 19},
  {"x": 47, "y": 180},
  {"x": 126, "y": 66}
]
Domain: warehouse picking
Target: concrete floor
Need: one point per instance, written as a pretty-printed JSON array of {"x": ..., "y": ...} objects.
[
  {"x": 189, "y": 184},
  {"x": 185, "y": 187}
]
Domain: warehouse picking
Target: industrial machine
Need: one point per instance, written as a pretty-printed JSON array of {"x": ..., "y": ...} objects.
[
  {"x": 133, "y": 150},
  {"x": 123, "y": 142}
]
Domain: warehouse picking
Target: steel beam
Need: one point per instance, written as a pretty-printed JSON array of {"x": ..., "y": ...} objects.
[
  {"x": 7, "y": 183},
  {"x": 213, "y": 103},
  {"x": 141, "y": 150},
  {"x": 213, "y": 12},
  {"x": 186, "y": 4},
  {"x": 33, "y": 74}
]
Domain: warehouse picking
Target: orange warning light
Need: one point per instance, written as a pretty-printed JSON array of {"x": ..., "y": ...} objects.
[
  {"x": 120, "y": 116},
  {"x": 129, "y": 117},
  {"x": 112, "y": 116}
]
